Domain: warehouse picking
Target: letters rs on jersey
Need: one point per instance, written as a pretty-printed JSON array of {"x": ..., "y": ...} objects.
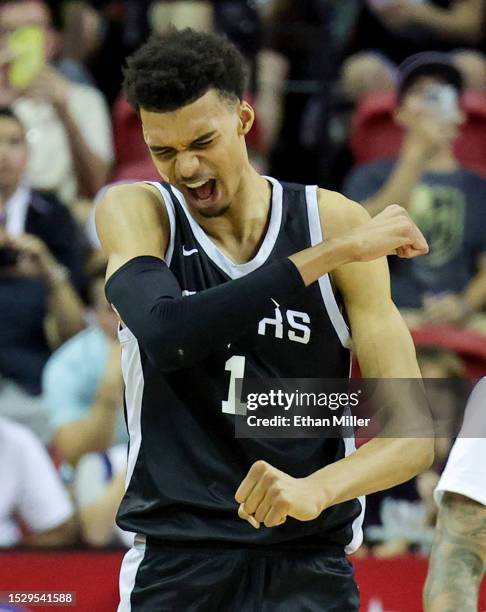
[
  {"x": 295, "y": 326},
  {"x": 184, "y": 462}
]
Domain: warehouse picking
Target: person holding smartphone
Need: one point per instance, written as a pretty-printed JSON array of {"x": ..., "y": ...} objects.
[
  {"x": 41, "y": 265},
  {"x": 448, "y": 286},
  {"x": 68, "y": 123}
]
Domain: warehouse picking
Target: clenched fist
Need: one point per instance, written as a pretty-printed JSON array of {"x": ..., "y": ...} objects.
[
  {"x": 269, "y": 496},
  {"x": 391, "y": 232}
]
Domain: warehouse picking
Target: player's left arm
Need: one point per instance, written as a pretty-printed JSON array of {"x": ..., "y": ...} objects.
[
  {"x": 458, "y": 559},
  {"x": 384, "y": 349}
]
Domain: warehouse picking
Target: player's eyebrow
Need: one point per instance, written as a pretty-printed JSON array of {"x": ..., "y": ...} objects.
[{"x": 200, "y": 139}]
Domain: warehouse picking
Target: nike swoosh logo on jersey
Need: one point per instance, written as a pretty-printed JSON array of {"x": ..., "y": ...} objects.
[
  {"x": 186, "y": 292},
  {"x": 189, "y": 252}
]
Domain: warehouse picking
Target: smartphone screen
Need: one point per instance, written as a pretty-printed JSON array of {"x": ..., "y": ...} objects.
[
  {"x": 27, "y": 49},
  {"x": 441, "y": 101}
]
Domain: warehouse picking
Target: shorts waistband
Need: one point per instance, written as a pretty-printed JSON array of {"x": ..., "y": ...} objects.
[{"x": 333, "y": 550}]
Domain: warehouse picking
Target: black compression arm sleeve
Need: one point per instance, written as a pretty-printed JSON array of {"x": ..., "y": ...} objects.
[{"x": 177, "y": 331}]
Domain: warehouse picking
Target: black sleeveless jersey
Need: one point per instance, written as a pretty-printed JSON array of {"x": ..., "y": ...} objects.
[{"x": 184, "y": 462}]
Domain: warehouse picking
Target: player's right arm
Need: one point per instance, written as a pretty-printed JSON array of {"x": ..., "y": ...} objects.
[
  {"x": 176, "y": 332},
  {"x": 131, "y": 222},
  {"x": 458, "y": 559}
]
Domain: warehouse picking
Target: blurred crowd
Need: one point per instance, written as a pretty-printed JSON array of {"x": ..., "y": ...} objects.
[{"x": 384, "y": 100}]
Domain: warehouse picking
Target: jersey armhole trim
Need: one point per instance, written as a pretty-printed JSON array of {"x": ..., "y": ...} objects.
[
  {"x": 169, "y": 206},
  {"x": 328, "y": 297}
]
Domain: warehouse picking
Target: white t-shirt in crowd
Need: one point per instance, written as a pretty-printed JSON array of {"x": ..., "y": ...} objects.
[
  {"x": 51, "y": 164},
  {"x": 30, "y": 487},
  {"x": 465, "y": 471},
  {"x": 94, "y": 473}
]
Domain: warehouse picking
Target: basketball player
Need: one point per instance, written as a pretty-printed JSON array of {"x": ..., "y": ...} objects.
[
  {"x": 224, "y": 274},
  {"x": 458, "y": 558}
]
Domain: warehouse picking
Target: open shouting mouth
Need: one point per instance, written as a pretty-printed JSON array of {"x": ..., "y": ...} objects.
[{"x": 202, "y": 193}]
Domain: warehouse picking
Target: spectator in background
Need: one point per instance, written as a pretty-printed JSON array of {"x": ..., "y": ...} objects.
[
  {"x": 448, "y": 286},
  {"x": 389, "y": 31},
  {"x": 400, "y": 28},
  {"x": 83, "y": 391},
  {"x": 98, "y": 487},
  {"x": 370, "y": 72},
  {"x": 69, "y": 67},
  {"x": 366, "y": 73},
  {"x": 196, "y": 14},
  {"x": 33, "y": 497},
  {"x": 299, "y": 32},
  {"x": 41, "y": 262},
  {"x": 68, "y": 126},
  {"x": 83, "y": 387},
  {"x": 472, "y": 65},
  {"x": 101, "y": 33}
]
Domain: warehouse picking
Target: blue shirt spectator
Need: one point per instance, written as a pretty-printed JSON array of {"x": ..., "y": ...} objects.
[
  {"x": 83, "y": 386},
  {"x": 72, "y": 377}
]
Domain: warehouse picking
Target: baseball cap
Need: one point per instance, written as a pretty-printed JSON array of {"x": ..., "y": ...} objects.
[{"x": 428, "y": 63}]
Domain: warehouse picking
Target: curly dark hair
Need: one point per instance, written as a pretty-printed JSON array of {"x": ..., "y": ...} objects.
[{"x": 179, "y": 66}]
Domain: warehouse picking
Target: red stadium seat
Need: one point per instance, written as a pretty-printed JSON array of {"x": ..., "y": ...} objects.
[
  {"x": 132, "y": 159},
  {"x": 470, "y": 147},
  {"x": 376, "y": 136},
  {"x": 470, "y": 346}
]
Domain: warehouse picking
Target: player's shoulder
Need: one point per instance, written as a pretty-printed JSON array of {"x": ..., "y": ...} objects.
[
  {"x": 127, "y": 202},
  {"x": 132, "y": 220},
  {"x": 127, "y": 194},
  {"x": 338, "y": 213}
]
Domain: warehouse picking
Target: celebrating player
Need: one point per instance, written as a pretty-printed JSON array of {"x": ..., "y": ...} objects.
[{"x": 226, "y": 274}]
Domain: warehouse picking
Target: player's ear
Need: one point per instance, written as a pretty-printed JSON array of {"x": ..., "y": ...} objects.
[{"x": 246, "y": 118}]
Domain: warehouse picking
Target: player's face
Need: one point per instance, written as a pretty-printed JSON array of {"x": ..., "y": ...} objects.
[
  {"x": 13, "y": 153},
  {"x": 200, "y": 149}
]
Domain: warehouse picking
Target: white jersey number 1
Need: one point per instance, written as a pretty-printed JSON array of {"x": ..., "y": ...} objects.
[{"x": 236, "y": 366}]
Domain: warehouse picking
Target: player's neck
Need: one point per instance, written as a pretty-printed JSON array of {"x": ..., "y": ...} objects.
[{"x": 240, "y": 231}]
